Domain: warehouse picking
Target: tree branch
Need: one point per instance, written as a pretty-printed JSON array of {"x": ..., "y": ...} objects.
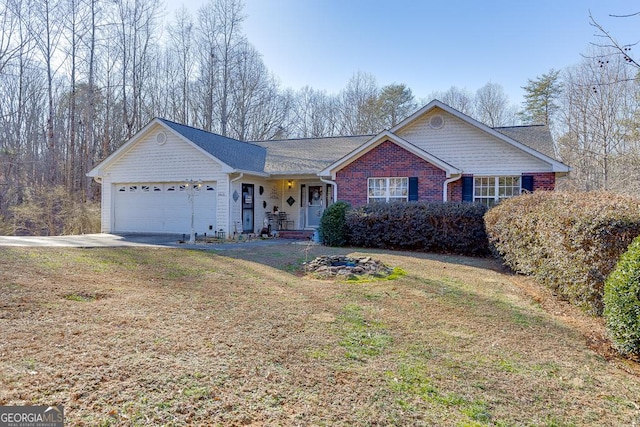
[{"x": 623, "y": 49}]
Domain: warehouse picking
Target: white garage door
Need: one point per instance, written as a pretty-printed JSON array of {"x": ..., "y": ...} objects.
[{"x": 164, "y": 208}]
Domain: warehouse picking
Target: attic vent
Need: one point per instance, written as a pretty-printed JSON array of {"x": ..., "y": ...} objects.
[
  {"x": 436, "y": 122},
  {"x": 161, "y": 138}
]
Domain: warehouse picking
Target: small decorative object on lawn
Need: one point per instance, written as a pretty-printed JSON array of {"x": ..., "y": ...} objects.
[{"x": 349, "y": 268}]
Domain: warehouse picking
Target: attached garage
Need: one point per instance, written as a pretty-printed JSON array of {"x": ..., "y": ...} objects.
[{"x": 163, "y": 208}]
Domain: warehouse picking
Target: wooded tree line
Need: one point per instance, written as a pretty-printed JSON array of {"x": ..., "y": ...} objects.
[{"x": 79, "y": 77}]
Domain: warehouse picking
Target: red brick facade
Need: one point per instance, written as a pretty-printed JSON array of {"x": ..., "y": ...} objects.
[
  {"x": 386, "y": 161},
  {"x": 543, "y": 181},
  {"x": 390, "y": 160},
  {"x": 454, "y": 191}
]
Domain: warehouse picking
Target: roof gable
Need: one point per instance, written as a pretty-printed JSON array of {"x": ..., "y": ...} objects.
[
  {"x": 233, "y": 155},
  {"x": 506, "y": 137},
  {"x": 379, "y": 139}
]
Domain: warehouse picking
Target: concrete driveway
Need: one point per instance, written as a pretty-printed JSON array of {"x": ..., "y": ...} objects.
[
  {"x": 113, "y": 240},
  {"x": 93, "y": 240}
]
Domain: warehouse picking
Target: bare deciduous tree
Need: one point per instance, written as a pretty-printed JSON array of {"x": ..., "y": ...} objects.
[
  {"x": 181, "y": 42},
  {"x": 357, "y": 105},
  {"x": 598, "y": 105},
  {"x": 314, "y": 114},
  {"x": 135, "y": 22},
  {"x": 460, "y": 99},
  {"x": 492, "y": 106}
]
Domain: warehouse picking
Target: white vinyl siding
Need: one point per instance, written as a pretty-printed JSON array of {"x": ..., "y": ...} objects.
[
  {"x": 164, "y": 166},
  {"x": 469, "y": 148},
  {"x": 490, "y": 190},
  {"x": 388, "y": 189}
]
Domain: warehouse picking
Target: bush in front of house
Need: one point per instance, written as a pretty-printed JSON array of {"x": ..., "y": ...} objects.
[
  {"x": 568, "y": 241},
  {"x": 622, "y": 302},
  {"x": 420, "y": 226},
  {"x": 52, "y": 211},
  {"x": 333, "y": 229}
]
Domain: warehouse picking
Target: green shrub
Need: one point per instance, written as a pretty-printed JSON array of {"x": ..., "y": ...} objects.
[
  {"x": 568, "y": 241},
  {"x": 622, "y": 301},
  {"x": 420, "y": 226},
  {"x": 333, "y": 229}
]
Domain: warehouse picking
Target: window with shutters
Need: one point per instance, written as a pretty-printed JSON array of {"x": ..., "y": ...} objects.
[
  {"x": 490, "y": 190},
  {"x": 388, "y": 189}
]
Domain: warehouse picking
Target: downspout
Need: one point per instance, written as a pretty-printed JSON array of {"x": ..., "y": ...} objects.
[
  {"x": 230, "y": 206},
  {"x": 335, "y": 188},
  {"x": 446, "y": 185}
]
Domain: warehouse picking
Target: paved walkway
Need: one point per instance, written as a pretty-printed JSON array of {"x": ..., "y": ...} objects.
[{"x": 112, "y": 240}]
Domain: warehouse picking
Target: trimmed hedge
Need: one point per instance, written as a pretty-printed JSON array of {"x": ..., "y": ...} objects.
[
  {"x": 622, "y": 301},
  {"x": 568, "y": 241},
  {"x": 333, "y": 228},
  {"x": 420, "y": 226}
]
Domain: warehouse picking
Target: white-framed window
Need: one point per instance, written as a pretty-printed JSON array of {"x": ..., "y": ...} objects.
[
  {"x": 388, "y": 189},
  {"x": 490, "y": 190}
]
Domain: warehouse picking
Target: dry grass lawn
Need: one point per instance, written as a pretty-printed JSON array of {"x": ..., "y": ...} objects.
[{"x": 240, "y": 337}]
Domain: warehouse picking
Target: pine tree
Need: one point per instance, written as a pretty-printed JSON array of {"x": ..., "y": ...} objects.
[{"x": 541, "y": 97}]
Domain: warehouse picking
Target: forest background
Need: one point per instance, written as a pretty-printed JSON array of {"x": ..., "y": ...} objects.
[{"x": 80, "y": 77}]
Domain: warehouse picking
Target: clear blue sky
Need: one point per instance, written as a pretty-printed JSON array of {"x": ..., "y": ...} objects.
[{"x": 428, "y": 45}]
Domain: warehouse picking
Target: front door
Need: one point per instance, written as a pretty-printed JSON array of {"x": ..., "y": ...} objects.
[
  {"x": 315, "y": 205},
  {"x": 247, "y": 208}
]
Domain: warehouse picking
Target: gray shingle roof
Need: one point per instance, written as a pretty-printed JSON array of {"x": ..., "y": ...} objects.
[
  {"x": 537, "y": 137},
  {"x": 237, "y": 154},
  {"x": 308, "y": 155}
]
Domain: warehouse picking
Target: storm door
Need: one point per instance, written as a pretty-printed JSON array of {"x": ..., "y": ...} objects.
[
  {"x": 247, "y": 208},
  {"x": 315, "y": 205}
]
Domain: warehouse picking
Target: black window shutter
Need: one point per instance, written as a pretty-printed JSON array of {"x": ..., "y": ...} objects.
[
  {"x": 527, "y": 183},
  {"x": 467, "y": 189},
  {"x": 413, "y": 188}
]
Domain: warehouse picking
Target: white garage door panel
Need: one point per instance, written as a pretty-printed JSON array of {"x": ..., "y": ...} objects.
[{"x": 163, "y": 208}]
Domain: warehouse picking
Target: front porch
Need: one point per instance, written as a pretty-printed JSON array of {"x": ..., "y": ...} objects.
[{"x": 291, "y": 206}]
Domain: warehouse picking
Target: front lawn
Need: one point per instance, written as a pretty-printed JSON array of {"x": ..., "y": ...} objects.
[{"x": 239, "y": 337}]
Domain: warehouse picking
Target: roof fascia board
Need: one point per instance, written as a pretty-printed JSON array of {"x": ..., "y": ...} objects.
[
  {"x": 99, "y": 169},
  {"x": 556, "y": 165},
  {"x": 248, "y": 172},
  {"x": 293, "y": 175}
]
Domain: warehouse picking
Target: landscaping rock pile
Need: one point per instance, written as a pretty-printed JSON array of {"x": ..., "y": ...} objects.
[{"x": 346, "y": 267}]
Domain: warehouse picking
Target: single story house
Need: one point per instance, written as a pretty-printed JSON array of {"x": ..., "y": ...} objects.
[{"x": 169, "y": 174}]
